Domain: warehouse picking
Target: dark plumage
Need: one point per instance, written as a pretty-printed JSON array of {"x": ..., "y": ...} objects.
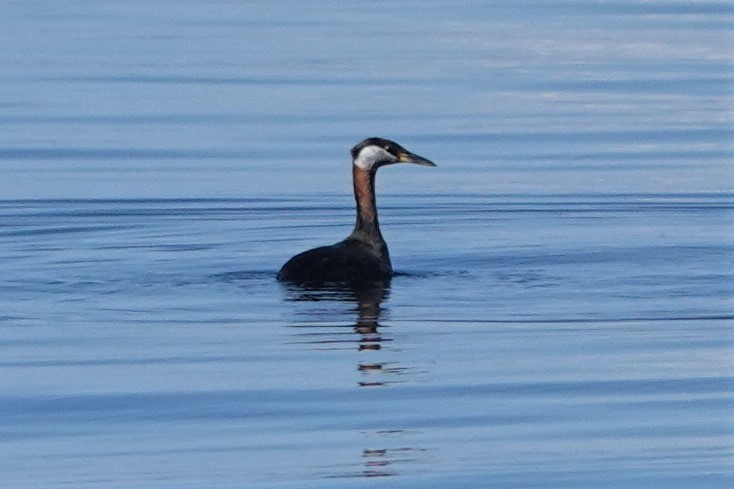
[
  {"x": 345, "y": 261},
  {"x": 363, "y": 255}
]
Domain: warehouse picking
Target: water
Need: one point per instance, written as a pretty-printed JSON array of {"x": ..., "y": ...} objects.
[{"x": 561, "y": 316}]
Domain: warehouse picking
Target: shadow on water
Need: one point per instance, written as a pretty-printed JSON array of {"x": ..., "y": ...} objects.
[{"x": 245, "y": 277}]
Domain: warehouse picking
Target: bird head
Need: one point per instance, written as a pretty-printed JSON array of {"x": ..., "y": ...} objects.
[{"x": 373, "y": 153}]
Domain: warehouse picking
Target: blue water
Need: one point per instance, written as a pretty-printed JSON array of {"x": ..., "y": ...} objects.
[{"x": 562, "y": 312}]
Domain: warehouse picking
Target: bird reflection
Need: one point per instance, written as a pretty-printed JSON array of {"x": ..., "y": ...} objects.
[
  {"x": 365, "y": 332},
  {"x": 367, "y": 298}
]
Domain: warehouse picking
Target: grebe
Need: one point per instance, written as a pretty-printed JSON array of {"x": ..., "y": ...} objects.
[{"x": 363, "y": 255}]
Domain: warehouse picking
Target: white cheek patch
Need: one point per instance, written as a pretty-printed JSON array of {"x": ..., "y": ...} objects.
[{"x": 371, "y": 155}]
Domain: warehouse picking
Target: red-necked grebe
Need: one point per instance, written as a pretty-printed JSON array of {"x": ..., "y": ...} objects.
[{"x": 363, "y": 255}]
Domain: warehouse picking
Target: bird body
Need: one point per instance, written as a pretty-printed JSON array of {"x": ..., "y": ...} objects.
[
  {"x": 347, "y": 261},
  {"x": 363, "y": 255}
]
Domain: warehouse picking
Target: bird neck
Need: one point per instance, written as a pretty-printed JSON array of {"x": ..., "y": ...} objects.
[{"x": 367, "y": 227}]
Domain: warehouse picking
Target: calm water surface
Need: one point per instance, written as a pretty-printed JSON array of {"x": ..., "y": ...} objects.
[{"x": 562, "y": 312}]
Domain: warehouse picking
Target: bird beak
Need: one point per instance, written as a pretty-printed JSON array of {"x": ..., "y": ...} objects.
[{"x": 408, "y": 157}]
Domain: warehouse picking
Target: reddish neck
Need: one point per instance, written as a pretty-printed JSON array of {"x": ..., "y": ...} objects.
[{"x": 367, "y": 226}]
